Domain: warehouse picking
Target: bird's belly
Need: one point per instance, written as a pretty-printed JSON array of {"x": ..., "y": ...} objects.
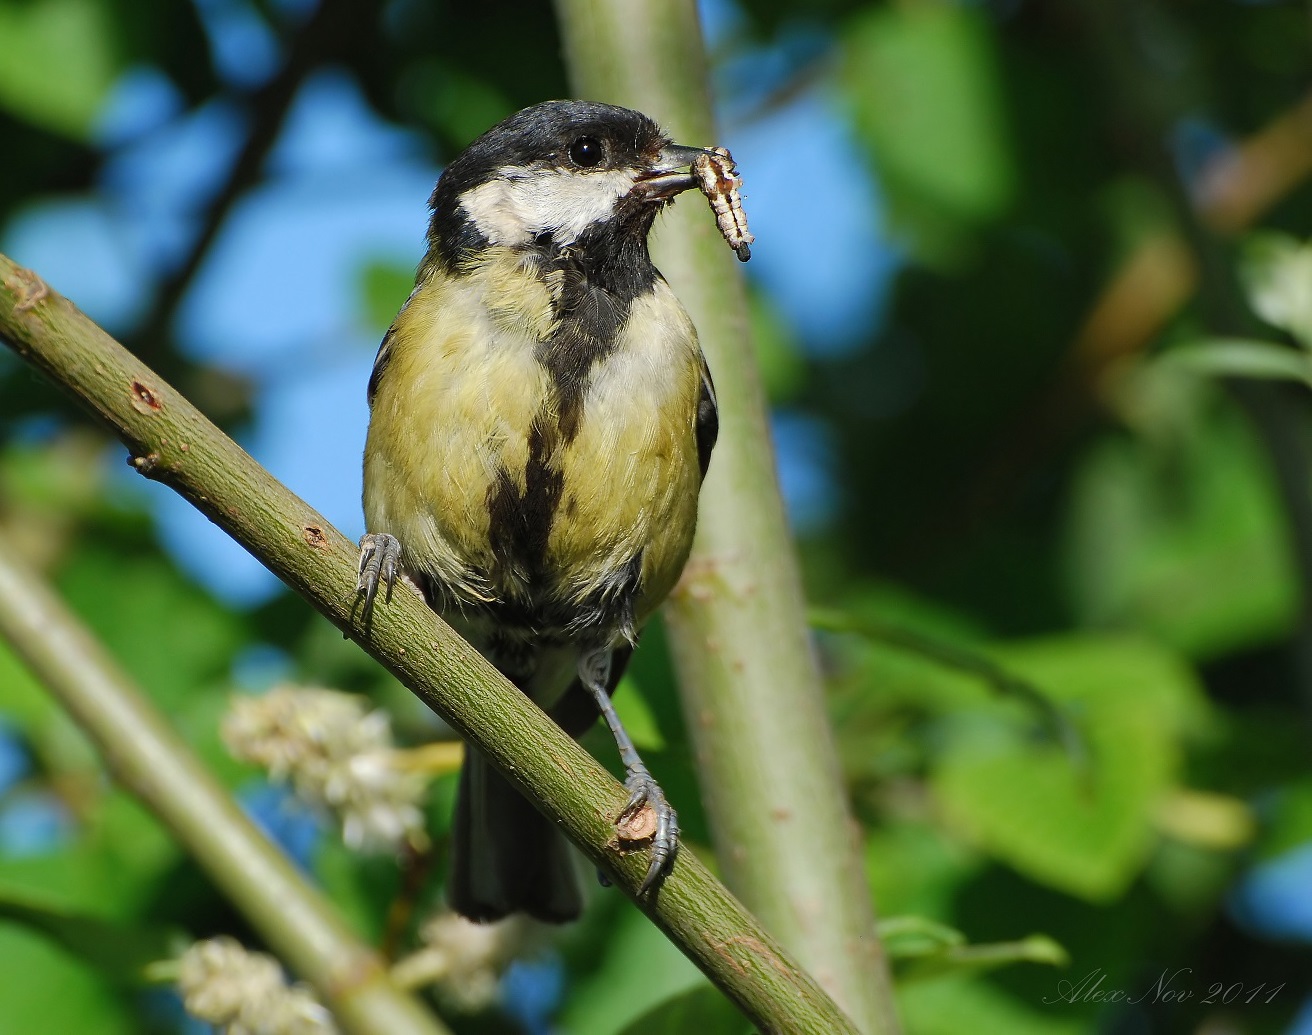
[
  {"x": 630, "y": 483},
  {"x": 506, "y": 498},
  {"x": 495, "y": 518}
]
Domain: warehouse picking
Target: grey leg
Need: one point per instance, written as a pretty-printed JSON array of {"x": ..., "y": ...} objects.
[
  {"x": 380, "y": 555},
  {"x": 594, "y": 672}
]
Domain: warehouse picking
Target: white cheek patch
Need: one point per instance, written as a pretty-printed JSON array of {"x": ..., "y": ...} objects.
[{"x": 520, "y": 204}]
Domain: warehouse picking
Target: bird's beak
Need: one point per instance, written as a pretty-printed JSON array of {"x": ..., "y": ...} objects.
[{"x": 670, "y": 175}]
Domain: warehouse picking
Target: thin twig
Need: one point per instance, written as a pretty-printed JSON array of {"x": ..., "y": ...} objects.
[
  {"x": 332, "y": 25},
  {"x": 1057, "y": 723}
]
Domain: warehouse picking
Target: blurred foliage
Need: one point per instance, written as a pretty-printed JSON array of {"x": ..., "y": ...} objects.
[
  {"x": 1051, "y": 481},
  {"x": 925, "y": 91},
  {"x": 61, "y": 61}
]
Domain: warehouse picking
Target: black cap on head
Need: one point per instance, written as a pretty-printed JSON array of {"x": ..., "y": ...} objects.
[
  {"x": 544, "y": 134},
  {"x": 565, "y": 135}
]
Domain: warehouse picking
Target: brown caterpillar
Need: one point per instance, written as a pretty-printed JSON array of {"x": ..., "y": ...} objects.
[{"x": 718, "y": 178}]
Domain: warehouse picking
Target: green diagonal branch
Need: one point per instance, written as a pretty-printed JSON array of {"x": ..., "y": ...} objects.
[
  {"x": 151, "y": 761},
  {"x": 172, "y": 442}
]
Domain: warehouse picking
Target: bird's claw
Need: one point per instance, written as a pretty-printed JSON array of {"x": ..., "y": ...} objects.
[
  {"x": 643, "y": 790},
  {"x": 380, "y": 558}
]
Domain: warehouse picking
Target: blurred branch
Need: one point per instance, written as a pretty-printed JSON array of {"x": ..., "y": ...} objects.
[
  {"x": 1143, "y": 294},
  {"x": 751, "y": 686},
  {"x": 1057, "y": 722},
  {"x": 172, "y": 442},
  {"x": 149, "y": 760},
  {"x": 1243, "y": 182},
  {"x": 1154, "y": 281},
  {"x": 333, "y": 25}
]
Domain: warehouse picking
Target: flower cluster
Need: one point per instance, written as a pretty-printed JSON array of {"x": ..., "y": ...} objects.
[
  {"x": 462, "y": 960},
  {"x": 336, "y": 754},
  {"x": 244, "y": 993}
]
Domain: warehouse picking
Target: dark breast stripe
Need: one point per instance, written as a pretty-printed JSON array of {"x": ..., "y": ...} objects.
[
  {"x": 600, "y": 280},
  {"x": 589, "y": 321},
  {"x": 519, "y": 523}
]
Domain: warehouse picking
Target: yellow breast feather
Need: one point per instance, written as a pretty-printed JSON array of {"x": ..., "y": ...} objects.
[
  {"x": 631, "y": 476},
  {"x": 454, "y": 414},
  {"x": 460, "y": 390}
]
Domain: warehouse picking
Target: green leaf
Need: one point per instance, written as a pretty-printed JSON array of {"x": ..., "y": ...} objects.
[
  {"x": 111, "y": 869},
  {"x": 953, "y": 657},
  {"x": 1185, "y": 541},
  {"x": 166, "y": 632},
  {"x": 956, "y": 1005},
  {"x": 22, "y": 699},
  {"x": 459, "y": 105},
  {"x": 57, "y": 62},
  {"x": 923, "y": 84},
  {"x": 703, "y": 1010},
  {"x": 120, "y": 952},
  {"x": 783, "y": 369},
  {"x": 385, "y": 286},
  {"x": 635, "y": 713},
  {"x": 1240, "y": 358},
  {"x": 889, "y": 675},
  {"x": 362, "y": 888},
  {"x": 1087, "y": 830},
  {"x": 638, "y": 968},
  {"x": 135, "y": 844},
  {"x": 46, "y": 989},
  {"x": 881, "y": 690},
  {"x": 1289, "y": 825},
  {"x": 918, "y": 868},
  {"x": 1190, "y": 879},
  {"x": 914, "y": 936},
  {"x": 56, "y": 481}
]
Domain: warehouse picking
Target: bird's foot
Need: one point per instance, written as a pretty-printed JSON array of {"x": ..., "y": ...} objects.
[
  {"x": 380, "y": 558},
  {"x": 649, "y": 817}
]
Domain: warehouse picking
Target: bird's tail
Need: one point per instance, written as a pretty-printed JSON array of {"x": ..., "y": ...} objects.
[{"x": 506, "y": 857}]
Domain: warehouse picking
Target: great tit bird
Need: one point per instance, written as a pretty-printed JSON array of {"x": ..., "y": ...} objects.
[{"x": 541, "y": 419}]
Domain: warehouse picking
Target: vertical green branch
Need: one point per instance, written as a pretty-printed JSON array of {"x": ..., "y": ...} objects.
[{"x": 751, "y": 686}]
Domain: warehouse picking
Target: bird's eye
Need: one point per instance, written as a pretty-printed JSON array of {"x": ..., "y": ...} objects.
[{"x": 586, "y": 152}]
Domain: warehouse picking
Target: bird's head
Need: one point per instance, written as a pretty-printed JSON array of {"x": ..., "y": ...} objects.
[{"x": 560, "y": 174}]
